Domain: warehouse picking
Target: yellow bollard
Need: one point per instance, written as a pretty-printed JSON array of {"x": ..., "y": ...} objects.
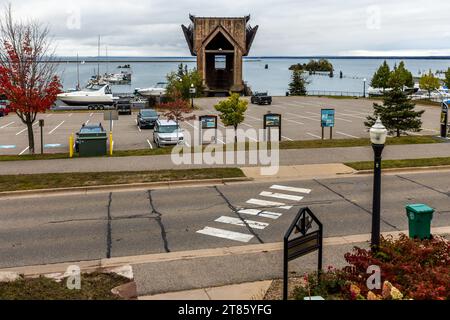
[
  {"x": 111, "y": 144},
  {"x": 71, "y": 145}
]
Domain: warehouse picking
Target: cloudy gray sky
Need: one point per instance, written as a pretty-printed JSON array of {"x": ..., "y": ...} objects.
[{"x": 287, "y": 27}]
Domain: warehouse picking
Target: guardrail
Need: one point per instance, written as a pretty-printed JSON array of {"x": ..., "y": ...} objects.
[{"x": 334, "y": 93}]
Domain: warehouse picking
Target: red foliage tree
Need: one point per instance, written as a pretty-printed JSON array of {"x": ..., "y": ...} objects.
[
  {"x": 27, "y": 70},
  {"x": 178, "y": 109}
]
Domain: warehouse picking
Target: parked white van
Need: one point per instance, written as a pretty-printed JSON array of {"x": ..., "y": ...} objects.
[{"x": 167, "y": 132}]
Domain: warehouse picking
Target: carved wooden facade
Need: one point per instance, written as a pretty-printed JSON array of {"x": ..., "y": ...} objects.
[{"x": 220, "y": 44}]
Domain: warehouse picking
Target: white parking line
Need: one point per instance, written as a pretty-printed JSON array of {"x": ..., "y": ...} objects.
[
  {"x": 291, "y": 189},
  {"x": 21, "y": 131},
  {"x": 240, "y": 223},
  {"x": 87, "y": 121},
  {"x": 280, "y": 196},
  {"x": 264, "y": 203},
  {"x": 70, "y": 115},
  {"x": 347, "y": 135},
  {"x": 149, "y": 143},
  {"x": 24, "y": 150},
  {"x": 247, "y": 125},
  {"x": 314, "y": 135},
  {"x": 91, "y": 114},
  {"x": 193, "y": 126},
  {"x": 59, "y": 125},
  {"x": 221, "y": 125},
  {"x": 293, "y": 121},
  {"x": 260, "y": 213},
  {"x": 353, "y": 116},
  {"x": 303, "y": 117},
  {"x": 49, "y": 115},
  {"x": 6, "y": 125},
  {"x": 225, "y": 234},
  {"x": 251, "y": 117},
  {"x": 287, "y": 138}
]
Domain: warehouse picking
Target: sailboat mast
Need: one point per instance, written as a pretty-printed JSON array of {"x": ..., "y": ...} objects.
[
  {"x": 98, "y": 59},
  {"x": 78, "y": 73}
]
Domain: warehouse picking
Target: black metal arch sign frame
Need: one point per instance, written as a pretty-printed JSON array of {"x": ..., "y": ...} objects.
[
  {"x": 272, "y": 120},
  {"x": 208, "y": 122},
  {"x": 306, "y": 243}
]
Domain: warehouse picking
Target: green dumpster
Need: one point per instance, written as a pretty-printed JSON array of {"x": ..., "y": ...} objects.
[
  {"x": 92, "y": 141},
  {"x": 419, "y": 218}
]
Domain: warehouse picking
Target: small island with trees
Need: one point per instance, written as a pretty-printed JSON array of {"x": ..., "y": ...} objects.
[{"x": 313, "y": 66}]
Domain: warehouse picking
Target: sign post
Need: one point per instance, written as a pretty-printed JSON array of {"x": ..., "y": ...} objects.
[
  {"x": 444, "y": 119},
  {"x": 327, "y": 121},
  {"x": 110, "y": 116},
  {"x": 301, "y": 245},
  {"x": 272, "y": 120},
  {"x": 41, "y": 125},
  {"x": 208, "y": 122},
  {"x": 192, "y": 91}
]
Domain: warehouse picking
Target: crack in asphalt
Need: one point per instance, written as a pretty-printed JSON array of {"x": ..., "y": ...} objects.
[
  {"x": 235, "y": 211},
  {"x": 158, "y": 219},
  {"x": 137, "y": 216},
  {"x": 352, "y": 202},
  {"x": 108, "y": 229},
  {"x": 424, "y": 185}
]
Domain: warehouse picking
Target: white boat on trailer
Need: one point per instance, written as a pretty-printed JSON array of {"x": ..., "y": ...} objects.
[
  {"x": 158, "y": 90},
  {"x": 94, "y": 96}
]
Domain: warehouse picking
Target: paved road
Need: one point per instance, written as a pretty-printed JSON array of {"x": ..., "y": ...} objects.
[
  {"x": 301, "y": 121},
  {"x": 286, "y": 157},
  {"x": 82, "y": 227}
]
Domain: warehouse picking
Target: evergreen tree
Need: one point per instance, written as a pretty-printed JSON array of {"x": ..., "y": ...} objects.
[
  {"x": 297, "y": 87},
  {"x": 381, "y": 77},
  {"x": 447, "y": 78},
  {"x": 400, "y": 77},
  {"x": 397, "y": 113}
]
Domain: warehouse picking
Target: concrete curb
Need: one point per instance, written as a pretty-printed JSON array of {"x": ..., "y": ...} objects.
[
  {"x": 122, "y": 187},
  {"x": 102, "y": 264},
  {"x": 407, "y": 169}
]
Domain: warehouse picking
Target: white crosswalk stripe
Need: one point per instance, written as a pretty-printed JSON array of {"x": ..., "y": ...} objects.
[
  {"x": 238, "y": 222},
  {"x": 225, "y": 234},
  {"x": 260, "y": 213},
  {"x": 280, "y": 196},
  {"x": 291, "y": 189},
  {"x": 265, "y": 203}
]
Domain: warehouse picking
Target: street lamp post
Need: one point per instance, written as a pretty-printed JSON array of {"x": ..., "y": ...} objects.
[
  {"x": 364, "y": 89},
  {"x": 192, "y": 92},
  {"x": 378, "y": 134}
]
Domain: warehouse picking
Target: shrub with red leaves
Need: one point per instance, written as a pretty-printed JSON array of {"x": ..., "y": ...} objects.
[{"x": 419, "y": 269}]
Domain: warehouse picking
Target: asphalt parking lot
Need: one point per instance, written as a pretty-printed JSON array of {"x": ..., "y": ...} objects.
[{"x": 300, "y": 121}]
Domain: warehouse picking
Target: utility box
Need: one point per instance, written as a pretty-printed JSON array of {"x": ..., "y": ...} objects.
[
  {"x": 92, "y": 142},
  {"x": 419, "y": 218}
]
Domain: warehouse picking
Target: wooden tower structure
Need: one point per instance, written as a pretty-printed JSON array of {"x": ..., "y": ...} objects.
[{"x": 220, "y": 43}]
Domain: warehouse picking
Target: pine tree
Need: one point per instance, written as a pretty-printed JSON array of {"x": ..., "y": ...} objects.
[
  {"x": 447, "y": 78},
  {"x": 381, "y": 77},
  {"x": 400, "y": 77},
  {"x": 397, "y": 113},
  {"x": 297, "y": 87}
]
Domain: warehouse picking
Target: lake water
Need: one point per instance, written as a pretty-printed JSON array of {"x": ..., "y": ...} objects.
[{"x": 275, "y": 79}]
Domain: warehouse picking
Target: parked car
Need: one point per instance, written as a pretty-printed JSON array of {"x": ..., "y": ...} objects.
[
  {"x": 4, "y": 107},
  {"x": 92, "y": 128},
  {"x": 261, "y": 98},
  {"x": 167, "y": 132},
  {"x": 123, "y": 106},
  {"x": 147, "y": 118}
]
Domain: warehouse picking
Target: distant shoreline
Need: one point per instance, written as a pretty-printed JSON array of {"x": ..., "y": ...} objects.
[{"x": 246, "y": 59}]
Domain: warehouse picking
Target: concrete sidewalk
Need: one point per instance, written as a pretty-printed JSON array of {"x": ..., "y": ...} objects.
[{"x": 287, "y": 158}]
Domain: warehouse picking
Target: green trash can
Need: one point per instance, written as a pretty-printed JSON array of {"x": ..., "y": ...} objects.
[
  {"x": 419, "y": 218},
  {"x": 92, "y": 141}
]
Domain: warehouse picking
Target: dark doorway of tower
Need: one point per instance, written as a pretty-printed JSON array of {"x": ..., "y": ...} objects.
[{"x": 219, "y": 63}]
